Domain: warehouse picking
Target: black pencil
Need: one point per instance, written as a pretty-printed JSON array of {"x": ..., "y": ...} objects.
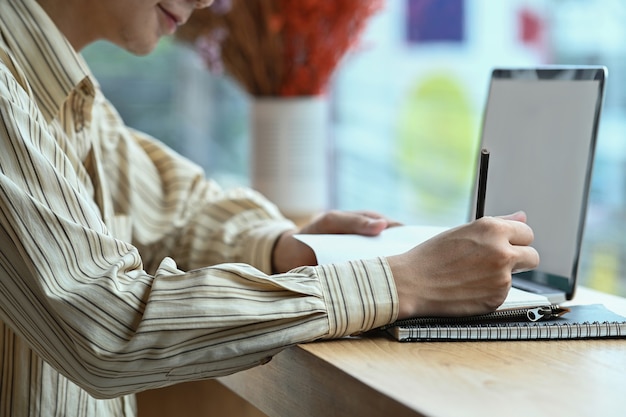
[{"x": 482, "y": 183}]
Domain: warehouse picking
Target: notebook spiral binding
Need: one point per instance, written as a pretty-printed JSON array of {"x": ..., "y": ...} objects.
[{"x": 514, "y": 331}]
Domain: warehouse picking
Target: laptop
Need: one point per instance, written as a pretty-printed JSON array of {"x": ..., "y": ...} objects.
[{"x": 540, "y": 127}]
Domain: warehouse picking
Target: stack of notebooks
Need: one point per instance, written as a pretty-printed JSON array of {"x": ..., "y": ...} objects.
[{"x": 523, "y": 316}]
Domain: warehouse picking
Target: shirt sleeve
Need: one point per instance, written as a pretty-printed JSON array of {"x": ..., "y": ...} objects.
[
  {"x": 176, "y": 211},
  {"x": 118, "y": 316}
]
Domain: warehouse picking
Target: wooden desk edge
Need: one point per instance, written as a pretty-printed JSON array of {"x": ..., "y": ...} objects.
[
  {"x": 290, "y": 374},
  {"x": 297, "y": 373}
]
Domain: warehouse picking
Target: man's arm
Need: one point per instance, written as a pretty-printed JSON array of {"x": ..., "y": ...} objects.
[{"x": 84, "y": 301}]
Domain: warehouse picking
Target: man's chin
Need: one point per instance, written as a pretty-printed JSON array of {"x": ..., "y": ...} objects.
[{"x": 140, "y": 48}]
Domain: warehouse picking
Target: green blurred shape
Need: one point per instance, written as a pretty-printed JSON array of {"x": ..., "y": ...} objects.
[{"x": 436, "y": 145}]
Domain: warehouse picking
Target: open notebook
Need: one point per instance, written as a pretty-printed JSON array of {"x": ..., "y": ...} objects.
[{"x": 333, "y": 248}]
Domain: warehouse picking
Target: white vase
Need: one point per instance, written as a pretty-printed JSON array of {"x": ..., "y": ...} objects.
[{"x": 289, "y": 153}]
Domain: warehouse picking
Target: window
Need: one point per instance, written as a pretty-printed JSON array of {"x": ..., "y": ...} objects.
[{"x": 406, "y": 108}]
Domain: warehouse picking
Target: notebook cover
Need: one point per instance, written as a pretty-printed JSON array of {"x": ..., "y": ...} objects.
[{"x": 582, "y": 322}]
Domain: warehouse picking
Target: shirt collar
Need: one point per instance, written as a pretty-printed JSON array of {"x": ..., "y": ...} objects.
[{"x": 52, "y": 67}]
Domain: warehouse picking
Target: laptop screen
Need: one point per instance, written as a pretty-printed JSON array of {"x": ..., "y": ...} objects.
[{"x": 540, "y": 128}]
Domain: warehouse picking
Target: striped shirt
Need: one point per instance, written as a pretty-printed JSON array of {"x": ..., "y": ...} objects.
[{"x": 122, "y": 268}]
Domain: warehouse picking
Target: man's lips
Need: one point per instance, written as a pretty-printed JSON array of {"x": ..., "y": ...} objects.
[{"x": 175, "y": 18}]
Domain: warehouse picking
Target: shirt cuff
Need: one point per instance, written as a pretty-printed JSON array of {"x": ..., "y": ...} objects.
[{"x": 360, "y": 295}]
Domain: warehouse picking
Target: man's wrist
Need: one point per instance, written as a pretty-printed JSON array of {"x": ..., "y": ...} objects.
[{"x": 289, "y": 253}]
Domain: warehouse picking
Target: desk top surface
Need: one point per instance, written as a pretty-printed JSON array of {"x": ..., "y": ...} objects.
[{"x": 371, "y": 375}]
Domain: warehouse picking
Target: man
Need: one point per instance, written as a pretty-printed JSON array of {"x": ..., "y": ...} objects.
[{"x": 122, "y": 268}]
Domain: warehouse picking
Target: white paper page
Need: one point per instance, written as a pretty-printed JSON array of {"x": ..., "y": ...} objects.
[
  {"x": 519, "y": 299},
  {"x": 393, "y": 241}
]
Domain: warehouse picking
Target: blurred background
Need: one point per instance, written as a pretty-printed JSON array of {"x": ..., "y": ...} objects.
[{"x": 406, "y": 108}]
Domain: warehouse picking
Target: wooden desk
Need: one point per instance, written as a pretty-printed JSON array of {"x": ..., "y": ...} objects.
[{"x": 379, "y": 377}]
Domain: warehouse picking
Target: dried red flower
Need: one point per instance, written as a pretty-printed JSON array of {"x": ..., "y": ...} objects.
[{"x": 282, "y": 47}]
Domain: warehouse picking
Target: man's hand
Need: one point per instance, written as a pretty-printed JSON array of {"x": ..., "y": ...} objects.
[
  {"x": 466, "y": 270},
  {"x": 290, "y": 253}
]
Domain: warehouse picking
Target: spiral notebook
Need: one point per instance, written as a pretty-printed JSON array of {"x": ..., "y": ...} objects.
[{"x": 538, "y": 323}]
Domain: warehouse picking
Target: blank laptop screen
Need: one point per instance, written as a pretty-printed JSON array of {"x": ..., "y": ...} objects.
[{"x": 540, "y": 128}]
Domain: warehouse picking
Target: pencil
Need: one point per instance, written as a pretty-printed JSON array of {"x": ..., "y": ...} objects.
[{"x": 482, "y": 183}]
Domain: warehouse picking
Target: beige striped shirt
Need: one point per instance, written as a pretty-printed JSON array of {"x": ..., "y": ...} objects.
[{"x": 98, "y": 224}]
